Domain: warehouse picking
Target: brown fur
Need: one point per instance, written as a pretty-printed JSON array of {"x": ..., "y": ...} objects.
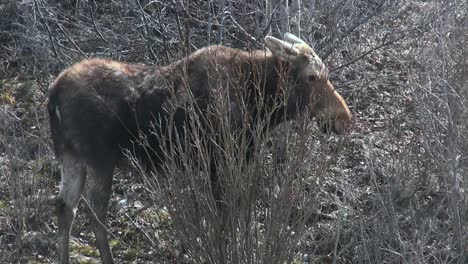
[{"x": 99, "y": 107}]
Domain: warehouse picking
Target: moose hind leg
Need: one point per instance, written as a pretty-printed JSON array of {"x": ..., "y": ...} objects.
[
  {"x": 73, "y": 174},
  {"x": 98, "y": 192}
]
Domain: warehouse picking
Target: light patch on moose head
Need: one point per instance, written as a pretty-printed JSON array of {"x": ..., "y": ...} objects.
[{"x": 312, "y": 80}]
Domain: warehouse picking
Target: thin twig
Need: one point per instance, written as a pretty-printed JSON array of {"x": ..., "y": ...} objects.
[
  {"x": 369, "y": 51},
  {"x": 49, "y": 32},
  {"x": 252, "y": 38},
  {"x": 147, "y": 29},
  {"x": 221, "y": 28},
  {"x": 359, "y": 23},
  {"x": 94, "y": 23},
  {"x": 163, "y": 37},
  {"x": 69, "y": 38}
]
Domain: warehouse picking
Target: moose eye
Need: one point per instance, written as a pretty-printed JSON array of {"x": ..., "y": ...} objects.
[{"x": 311, "y": 78}]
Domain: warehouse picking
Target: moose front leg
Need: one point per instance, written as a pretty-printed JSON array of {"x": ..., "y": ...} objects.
[{"x": 98, "y": 192}]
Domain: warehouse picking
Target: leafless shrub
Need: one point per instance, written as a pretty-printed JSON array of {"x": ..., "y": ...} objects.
[
  {"x": 417, "y": 205},
  {"x": 442, "y": 88},
  {"x": 25, "y": 170},
  {"x": 228, "y": 199}
]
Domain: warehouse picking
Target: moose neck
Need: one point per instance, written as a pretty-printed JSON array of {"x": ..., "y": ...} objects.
[
  {"x": 286, "y": 100},
  {"x": 266, "y": 79}
]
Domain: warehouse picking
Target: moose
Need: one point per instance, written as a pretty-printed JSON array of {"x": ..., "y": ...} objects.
[{"x": 98, "y": 107}]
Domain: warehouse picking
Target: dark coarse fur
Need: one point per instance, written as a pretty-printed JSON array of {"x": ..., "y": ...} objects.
[{"x": 99, "y": 107}]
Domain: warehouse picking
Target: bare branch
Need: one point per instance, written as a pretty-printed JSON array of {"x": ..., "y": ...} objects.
[
  {"x": 51, "y": 38},
  {"x": 94, "y": 22},
  {"x": 383, "y": 44}
]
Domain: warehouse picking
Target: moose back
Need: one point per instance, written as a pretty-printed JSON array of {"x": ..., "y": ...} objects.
[{"x": 99, "y": 107}]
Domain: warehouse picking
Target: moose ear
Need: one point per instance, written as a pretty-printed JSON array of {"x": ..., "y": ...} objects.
[
  {"x": 281, "y": 49},
  {"x": 291, "y": 38}
]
